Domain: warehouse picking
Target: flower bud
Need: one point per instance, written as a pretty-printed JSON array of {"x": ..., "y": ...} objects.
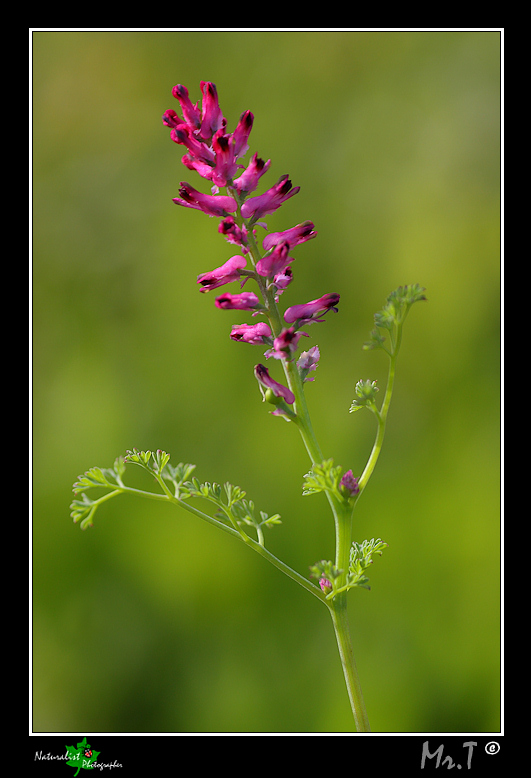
[
  {"x": 366, "y": 391},
  {"x": 349, "y": 484},
  {"x": 307, "y": 361},
  {"x": 325, "y": 585}
]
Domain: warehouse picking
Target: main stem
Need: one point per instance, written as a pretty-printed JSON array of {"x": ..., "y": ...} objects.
[{"x": 338, "y": 611}]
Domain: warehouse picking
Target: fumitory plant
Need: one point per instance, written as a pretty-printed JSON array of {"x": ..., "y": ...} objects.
[{"x": 258, "y": 278}]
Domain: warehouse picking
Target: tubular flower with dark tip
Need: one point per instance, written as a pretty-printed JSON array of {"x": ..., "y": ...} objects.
[
  {"x": 245, "y": 301},
  {"x": 172, "y": 119},
  {"x": 252, "y": 333},
  {"x": 197, "y": 149},
  {"x": 278, "y": 390},
  {"x": 228, "y": 272},
  {"x": 212, "y": 205},
  {"x": 270, "y": 200},
  {"x": 191, "y": 113},
  {"x": 310, "y": 312},
  {"x": 248, "y": 181},
  {"x": 226, "y": 166},
  {"x": 241, "y": 134},
  {"x": 285, "y": 344},
  {"x": 233, "y": 232},
  {"x": 298, "y": 234},
  {"x": 212, "y": 119},
  {"x": 275, "y": 262}
]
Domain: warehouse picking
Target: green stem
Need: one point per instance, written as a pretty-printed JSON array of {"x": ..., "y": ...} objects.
[
  {"x": 381, "y": 415},
  {"x": 338, "y": 610},
  {"x": 303, "y": 417}
]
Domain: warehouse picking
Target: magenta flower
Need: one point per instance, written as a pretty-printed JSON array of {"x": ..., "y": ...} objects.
[
  {"x": 251, "y": 333},
  {"x": 268, "y": 202},
  {"x": 309, "y": 312},
  {"x": 248, "y": 181},
  {"x": 241, "y": 134},
  {"x": 349, "y": 483},
  {"x": 226, "y": 166},
  {"x": 294, "y": 236},
  {"x": 171, "y": 119},
  {"x": 262, "y": 374},
  {"x": 204, "y": 169},
  {"x": 276, "y": 262},
  {"x": 191, "y": 113},
  {"x": 285, "y": 344},
  {"x": 200, "y": 151},
  {"x": 212, "y": 205},
  {"x": 233, "y": 233},
  {"x": 282, "y": 279},
  {"x": 228, "y": 272},
  {"x": 211, "y": 119},
  {"x": 246, "y": 301}
]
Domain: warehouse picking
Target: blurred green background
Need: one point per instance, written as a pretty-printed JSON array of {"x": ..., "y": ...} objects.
[{"x": 153, "y": 621}]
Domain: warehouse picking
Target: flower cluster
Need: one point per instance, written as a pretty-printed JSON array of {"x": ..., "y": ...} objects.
[{"x": 216, "y": 155}]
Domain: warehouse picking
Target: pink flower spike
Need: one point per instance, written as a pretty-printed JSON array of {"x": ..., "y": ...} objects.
[
  {"x": 245, "y": 301},
  {"x": 309, "y": 312},
  {"x": 228, "y": 272},
  {"x": 268, "y": 202},
  {"x": 294, "y": 236},
  {"x": 262, "y": 375},
  {"x": 212, "y": 119},
  {"x": 251, "y": 333},
  {"x": 212, "y": 205},
  {"x": 276, "y": 262}
]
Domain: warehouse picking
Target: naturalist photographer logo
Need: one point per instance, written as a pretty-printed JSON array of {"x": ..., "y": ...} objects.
[{"x": 81, "y": 757}]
